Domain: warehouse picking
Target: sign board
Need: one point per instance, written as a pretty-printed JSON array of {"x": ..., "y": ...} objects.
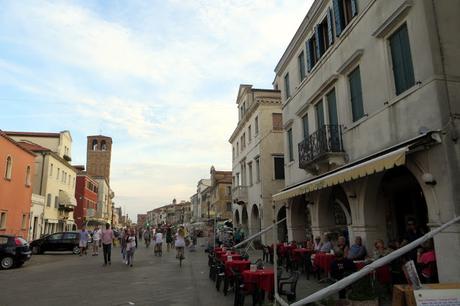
[{"x": 437, "y": 297}]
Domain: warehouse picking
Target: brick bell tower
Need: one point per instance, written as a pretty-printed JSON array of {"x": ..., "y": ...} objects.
[{"x": 98, "y": 156}]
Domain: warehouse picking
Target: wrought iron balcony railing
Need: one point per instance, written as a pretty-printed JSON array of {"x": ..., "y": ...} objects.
[
  {"x": 327, "y": 139},
  {"x": 240, "y": 193}
]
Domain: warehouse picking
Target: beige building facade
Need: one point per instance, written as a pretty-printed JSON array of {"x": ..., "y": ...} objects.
[
  {"x": 220, "y": 194},
  {"x": 370, "y": 93},
  {"x": 258, "y": 158}
]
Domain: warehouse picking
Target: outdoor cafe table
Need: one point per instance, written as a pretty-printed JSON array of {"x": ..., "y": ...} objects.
[
  {"x": 300, "y": 253},
  {"x": 237, "y": 265},
  {"x": 323, "y": 261},
  {"x": 263, "y": 278},
  {"x": 283, "y": 249},
  {"x": 223, "y": 257}
]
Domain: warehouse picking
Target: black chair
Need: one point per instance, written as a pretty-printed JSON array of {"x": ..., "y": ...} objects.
[
  {"x": 244, "y": 289},
  {"x": 265, "y": 253},
  {"x": 213, "y": 269},
  {"x": 220, "y": 275},
  {"x": 229, "y": 280},
  {"x": 288, "y": 287}
]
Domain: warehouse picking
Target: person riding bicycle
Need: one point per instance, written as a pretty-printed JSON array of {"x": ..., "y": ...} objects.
[{"x": 180, "y": 242}]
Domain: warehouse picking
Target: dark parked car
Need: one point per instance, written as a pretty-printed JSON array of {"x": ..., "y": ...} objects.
[
  {"x": 14, "y": 251},
  {"x": 64, "y": 241}
]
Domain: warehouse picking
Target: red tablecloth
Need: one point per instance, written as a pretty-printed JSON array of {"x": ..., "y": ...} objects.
[
  {"x": 359, "y": 264},
  {"x": 238, "y": 265},
  {"x": 324, "y": 260},
  {"x": 382, "y": 274},
  {"x": 216, "y": 249},
  {"x": 264, "y": 279},
  {"x": 235, "y": 256},
  {"x": 283, "y": 249}
]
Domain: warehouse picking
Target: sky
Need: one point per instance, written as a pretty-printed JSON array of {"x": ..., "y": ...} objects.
[{"x": 160, "y": 77}]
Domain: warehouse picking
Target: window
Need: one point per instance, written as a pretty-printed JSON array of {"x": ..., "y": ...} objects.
[
  {"x": 279, "y": 167},
  {"x": 57, "y": 175},
  {"x": 2, "y": 220},
  {"x": 249, "y": 134},
  {"x": 321, "y": 38},
  {"x": 258, "y": 170},
  {"x": 344, "y": 11},
  {"x": 94, "y": 145},
  {"x": 24, "y": 221},
  {"x": 356, "y": 97},
  {"x": 103, "y": 145},
  {"x": 243, "y": 141},
  {"x": 256, "y": 125},
  {"x": 48, "y": 200},
  {"x": 301, "y": 64},
  {"x": 56, "y": 202},
  {"x": 9, "y": 168},
  {"x": 237, "y": 148},
  {"x": 287, "y": 90},
  {"x": 306, "y": 132},
  {"x": 71, "y": 236},
  {"x": 237, "y": 179},
  {"x": 57, "y": 236},
  {"x": 28, "y": 176},
  {"x": 290, "y": 147},
  {"x": 250, "y": 174},
  {"x": 312, "y": 55},
  {"x": 332, "y": 108},
  {"x": 403, "y": 70},
  {"x": 233, "y": 153},
  {"x": 51, "y": 170},
  {"x": 229, "y": 190},
  {"x": 277, "y": 120},
  {"x": 319, "y": 110},
  {"x": 229, "y": 206}
]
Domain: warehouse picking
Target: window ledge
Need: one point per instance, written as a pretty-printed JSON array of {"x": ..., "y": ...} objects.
[
  {"x": 7, "y": 179},
  {"x": 356, "y": 123},
  {"x": 290, "y": 163}
]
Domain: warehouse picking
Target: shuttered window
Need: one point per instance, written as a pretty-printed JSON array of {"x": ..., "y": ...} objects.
[
  {"x": 287, "y": 90},
  {"x": 403, "y": 70},
  {"x": 301, "y": 64},
  {"x": 306, "y": 131},
  {"x": 279, "y": 167},
  {"x": 356, "y": 96},
  {"x": 344, "y": 11},
  {"x": 332, "y": 108},
  {"x": 319, "y": 115},
  {"x": 291, "y": 148}
]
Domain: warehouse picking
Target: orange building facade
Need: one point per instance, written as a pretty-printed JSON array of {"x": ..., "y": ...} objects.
[{"x": 16, "y": 172}]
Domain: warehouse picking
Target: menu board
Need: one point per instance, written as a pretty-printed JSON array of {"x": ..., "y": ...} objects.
[{"x": 437, "y": 297}]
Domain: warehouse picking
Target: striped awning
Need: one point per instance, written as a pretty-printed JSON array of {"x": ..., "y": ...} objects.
[{"x": 375, "y": 165}]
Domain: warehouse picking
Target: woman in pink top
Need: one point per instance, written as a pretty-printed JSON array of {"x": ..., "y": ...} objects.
[
  {"x": 107, "y": 238},
  {"x": 426, "y": 258}
]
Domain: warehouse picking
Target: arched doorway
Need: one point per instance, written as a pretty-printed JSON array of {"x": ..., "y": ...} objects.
[
  {"x": 405, "y": 201},
  {"x": 244, "y": 222},
  {"x": 300, "y": 219},
  {"x": 255, "y": 219},
  {"x": 282, "y": 227}
]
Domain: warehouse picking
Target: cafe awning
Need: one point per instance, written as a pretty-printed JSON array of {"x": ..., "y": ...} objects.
[
  {"x": 346, "y": 174},
  {"x": 66, "y": 200}
]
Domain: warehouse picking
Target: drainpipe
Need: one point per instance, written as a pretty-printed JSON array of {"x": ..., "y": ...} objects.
[{"x": 43, "y": 170}]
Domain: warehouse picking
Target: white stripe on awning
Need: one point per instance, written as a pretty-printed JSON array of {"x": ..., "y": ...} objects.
[{"x": 375, "y": 165}]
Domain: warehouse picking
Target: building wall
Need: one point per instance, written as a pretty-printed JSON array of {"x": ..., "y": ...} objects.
[
  {"x": 37, "y": 217},
  {"x": 15, "y": 194},
  {"x": 85, "y": 211}
]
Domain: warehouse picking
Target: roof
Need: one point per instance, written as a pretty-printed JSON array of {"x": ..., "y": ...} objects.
[
  {"x": 2, "y": 134},
  {"x": 108, "y": 137},
  {"x": 32, "y": 146},
  {"x": 31, "y": 134}
]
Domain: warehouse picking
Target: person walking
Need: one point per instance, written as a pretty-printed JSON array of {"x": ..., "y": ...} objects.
[
  {"x": 130, "y": 247},
  {"x": 107, "y": 239},
  {"x": 180, "y": 242},
  {"x": 158, "y": 243},
  {"x": 123, "y": 236},
  {"x": 169, "y": 238},
  {"x": 96, "y": 240},
  {"x": 83, "y": 243}
]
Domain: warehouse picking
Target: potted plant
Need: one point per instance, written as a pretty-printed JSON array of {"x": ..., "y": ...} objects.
[{"x": 364, "y": 293}]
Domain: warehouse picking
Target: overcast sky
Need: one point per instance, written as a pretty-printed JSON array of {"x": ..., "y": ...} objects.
[{"x": 160, "y": 77}]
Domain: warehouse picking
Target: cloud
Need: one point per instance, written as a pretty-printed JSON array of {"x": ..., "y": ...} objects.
[{"x": 160, "y": 79}]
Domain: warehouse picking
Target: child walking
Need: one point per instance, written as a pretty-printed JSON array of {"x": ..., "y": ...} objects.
[{"x": 130, "y": 247}]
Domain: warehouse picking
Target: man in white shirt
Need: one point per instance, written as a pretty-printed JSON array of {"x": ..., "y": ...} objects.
[{"x": 96, "y": 240}]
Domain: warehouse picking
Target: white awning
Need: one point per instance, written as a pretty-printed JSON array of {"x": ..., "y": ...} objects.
[
  {"x": 55, "y": 221},
  {"x": 375, "y": 165},
  {"x": 66, "y": 200}
]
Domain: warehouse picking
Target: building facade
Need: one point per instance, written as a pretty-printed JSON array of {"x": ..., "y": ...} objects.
[
  {"x": 104, "y": 200},
  {"x": 258, "y": 158},
  {"x": 86, "y": 193},
  {"x": 220, "y": 194},
  {"x": 370, "y": 93},
  {"x": 54, "y": 178},
  {"x": 17, "y": 166}
]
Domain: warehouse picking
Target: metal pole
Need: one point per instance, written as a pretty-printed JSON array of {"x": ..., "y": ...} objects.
[
  {"x": 258, "y": 234},
  {"x": 275, "y": 257}
]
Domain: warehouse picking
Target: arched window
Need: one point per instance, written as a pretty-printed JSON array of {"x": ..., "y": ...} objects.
[
  {"x": 103, "y": 145},
  {"x": 9, "y": 168},
  {"x": 94, "y": 145},
  {"x": 28, "y": 176}
]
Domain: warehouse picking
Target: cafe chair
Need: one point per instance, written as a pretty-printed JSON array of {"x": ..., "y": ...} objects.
[
  {"x": 229, "y": 280},
  {"x": 220, "y": 275},
  {"x": 243, "y": 289},
  {"x": 288, "y": 287},
  {"x": 265, "y": 253},
  {"x": 213, "y": 269}
]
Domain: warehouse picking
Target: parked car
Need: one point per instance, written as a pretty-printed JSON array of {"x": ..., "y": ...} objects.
[
  {"x": 63, "y": 241},
  {"x": 14, "y": 251}
]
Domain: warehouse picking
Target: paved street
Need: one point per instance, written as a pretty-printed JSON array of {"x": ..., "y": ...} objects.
[{"x": 65, "y": 279}]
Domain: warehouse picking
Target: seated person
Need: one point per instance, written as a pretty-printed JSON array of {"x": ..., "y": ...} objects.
[
  {"x": 309, "y": 245},
  {"x": 342, "y": 245},
  {"x": 379, "y": 249},
  {"x": 317, "y": 243},
  {"x": 340, "y": 268},
  {"x": 426, "y": 259},
  {"x": 326, "y": 246},
  {"x": 357, "y": 250}
]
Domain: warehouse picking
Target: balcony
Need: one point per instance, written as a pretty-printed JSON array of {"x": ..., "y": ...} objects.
[
  {"x": 240, "y": 194},
  {"x": 322, "y": 150}
]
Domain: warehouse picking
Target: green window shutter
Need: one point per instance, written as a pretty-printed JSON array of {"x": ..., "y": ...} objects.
[
  {"x": 356, "y": 94},
  {"x": 354, "y": 8},
  {"x": 310, "y": 51},
  {"x": 287, "y": 90},
  {"x": 319, "y": 115},
  {"x": 338, "y": 16},
  {"x": 306, "y": 132},
  {"x": 403, "y": 70},
  {"x": 291, "y": 153},
  {"x": 330, "y": 28},
  {"x": 332, "y": 108},
  {"x": 301, "y": 63},
  {"x": 319, "y": 41}
]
